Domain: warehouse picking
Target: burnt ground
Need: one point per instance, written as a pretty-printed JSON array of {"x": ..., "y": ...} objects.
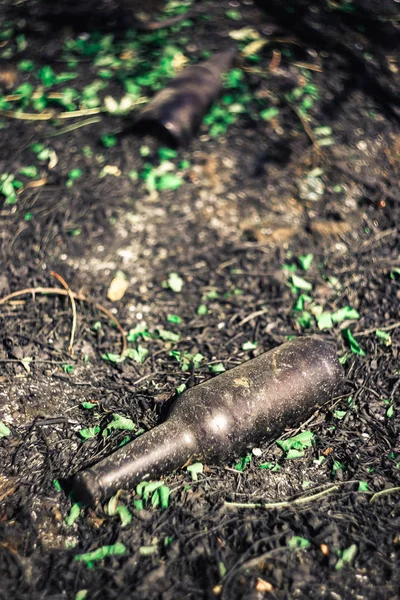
[{"x": 259, "y": 192}]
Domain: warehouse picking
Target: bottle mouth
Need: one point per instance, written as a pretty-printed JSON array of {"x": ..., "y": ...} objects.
[{"x": 87, "y": 488}]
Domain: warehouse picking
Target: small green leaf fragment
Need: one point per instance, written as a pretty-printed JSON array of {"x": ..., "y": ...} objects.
[
  {"x": 195, "y": 469},
  {"x": 138, "y": 354},
  {"x": 293, "y": 453},
  {"x": 339, "y": 414},
  {"x": 301, "y": 283},
  {"x": 390, "y": 411},
  {"x": 67, "y": 368},
  {"x": 218, "y": 368},
  {"x": 174, "y": 319},
  {"x": 124, "y": 514},
  {"x": 31, "y": 171},
  {"x": 301, "y": 441},
  {"x": 269, "y": 113},
  {"x": 354, "y": 345},
  {"x": 109, "y": 140},
  {"x": 73, "y": 514},
  {"x": 269, "y": 466},
  {"x": 181, "y": 388},
  {"x": 117, "y": 549},
  {"x": 243, "y": 463},
  {"x": 324, "y": 321},
  {"x": 175, "y": 283},
  {"x": 169, "y": 181},
  {"x": 121, "y": 422},
  {"x": 248, "y": 346},
  {"x": 169, "y": 336},
  {"x": 306, "y": 261},
  {"x": 305, "y": 319},
  {"x": 384, "y": 337},
  {"x": 347, "y": 557},
  {"x": 4, "y": 430},
  {"x": 81, "y": 595},
  {"x": 113, "y": 358},
  {"x": 299, "y": 542},
  {"x": 89, "y": 432},
  {"x": 337, "y": 465},
  {"x": 88, "y": 405},
  {"x": 202, "y": 310},
  {"x": 56, "y": 485},
  {"x": 363, "y": 486},
  {"x": 148, "y": 550},
  {"x": 138, "y": 504},
  {"x": 345, "y": 313}
]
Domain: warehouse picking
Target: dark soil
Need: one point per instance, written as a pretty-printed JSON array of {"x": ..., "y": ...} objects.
[{"x": 247, "y": 206}]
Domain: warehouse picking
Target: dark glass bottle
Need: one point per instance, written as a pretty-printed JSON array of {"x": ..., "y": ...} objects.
[
  {"x": 176, "y": 112},
  {"x": 223, "y": 417}
]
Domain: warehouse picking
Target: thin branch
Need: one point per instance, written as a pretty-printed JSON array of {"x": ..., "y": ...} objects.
[
  {"x": 73, "y": 307},
  {"x": 385, "y": 492},
  {"x": 286, "y": 503},
  {"x": 61, "y": 292}
]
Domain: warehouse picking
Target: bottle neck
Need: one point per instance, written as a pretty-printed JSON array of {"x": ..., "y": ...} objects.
[{"x": 160, "y": 450}]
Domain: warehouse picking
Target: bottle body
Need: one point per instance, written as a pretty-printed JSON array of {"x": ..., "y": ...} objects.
[
  {"x": 224, "y": 416},
  {"x": 176, "y": 112}
]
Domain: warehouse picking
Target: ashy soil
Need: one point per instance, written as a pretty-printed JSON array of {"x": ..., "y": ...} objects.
[{"x": 279, "y": 220}]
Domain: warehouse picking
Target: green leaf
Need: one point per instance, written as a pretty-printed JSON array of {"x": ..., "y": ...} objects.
[
  {"x": 337, "y": 465},
  {"x": 26, "y": 66},
  {"x": 174, "y": 319},
  {"x": 31, "y": 171},
  {"x": 124, "y": 514},
  {"x": 301, "y": 283},
  {"x": 57, "y": 485},
  {"x": 293, "y": 453},
  {"x": 269, "y": 113},
  {"x": 305, "y": 319},
  {"x": 148, "y": 550},
  {"x": 109, "y": 140},
  {"x": 306, "y": 261},
  {"x": 67, "y": 368},
  {"x": 248, "y": 346},
  {"x": 88, "y": 405},
  {"x": 270, "y": 466},
  {"x": 301, "y": 441},
  {"x": 345, "y": 313},
  {"x": 164, "y": 493},
  {"x": 137, "y": 355},
  {"x": 202, "y": 310},
  {"x": 121, "y": 422},
  {"x": 390, "y": 411},
  {"x": 169, "y": 181},
  {"x": 301, "y": 302},
  {"x": 169, "y": 336},
  {"x": 384, "y": 337},
  {"x": 167, "y": 153},
  {"x": 218, "y": 368},
  {"x": 363, "y": 486},
  {"x": 181, "y": 388},
  {"x": 194, "y": 470},
  {"x": 354, "y": 345},
  {"x": 324, "y": 321},
  {"x": 117, "y": 549},
  {"x": 339, "y": 414},
  {"x": 73, "y": 514},
  {"x": 47, "y": 76},
  {"x": 89, "y": 432},
  {"x": 4, "y": 430},
  {"x": 243, "y": 463},
  {"x": 113, "y": 358},
  {"x": 81, "y": 595},
  {"x": 139, "y": 331},
  {"x": 299, "y": 542},
  {"x": 233, "y": 14},
  {"x": 175, "y": 283},
  {"x": 348, "y": 557}
]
